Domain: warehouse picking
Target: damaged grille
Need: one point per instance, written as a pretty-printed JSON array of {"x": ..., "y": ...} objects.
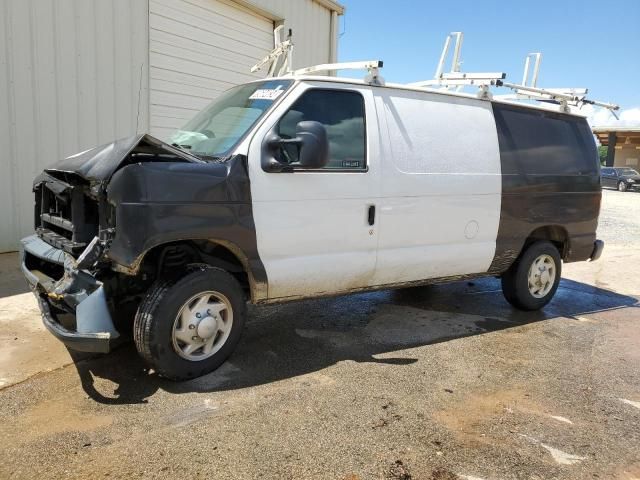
[{"x": 66, "y": 217}]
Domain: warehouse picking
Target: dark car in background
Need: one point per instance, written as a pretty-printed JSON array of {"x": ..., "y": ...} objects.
[{"x": 621, "y": 178}]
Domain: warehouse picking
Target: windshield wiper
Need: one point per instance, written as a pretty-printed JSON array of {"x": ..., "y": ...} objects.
[
  {"x": 183, "y": 147},
  {"x": 210, "y": 158},
  {"x": 201, "y": 155}
]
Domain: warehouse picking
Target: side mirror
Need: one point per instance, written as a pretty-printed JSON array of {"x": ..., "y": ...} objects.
[{"x": 313, "y": 144}]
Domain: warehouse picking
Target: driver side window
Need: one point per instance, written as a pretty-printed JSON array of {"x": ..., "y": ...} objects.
[{"x": 342, "y": 114}]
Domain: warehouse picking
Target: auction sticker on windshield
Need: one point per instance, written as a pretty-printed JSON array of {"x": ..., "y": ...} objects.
[{"x": 266, "y": 94}]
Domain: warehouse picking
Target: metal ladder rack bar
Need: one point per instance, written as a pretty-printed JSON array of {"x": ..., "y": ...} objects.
[
  {"x": 456, "y": 78},
  {"x": 372, "y": 66},
  {"x": 282, "y": 47},
  {"x": 455, "y": 61},
  {"x": 564, "y": 97},
  {"x": 555, "y": 94},
  {"x": 536, "y": 68},
  {"x": 459, "y": 78},
  {"x": 324, "y": 67}
]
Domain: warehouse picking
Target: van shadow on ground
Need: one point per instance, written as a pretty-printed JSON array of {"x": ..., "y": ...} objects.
[{"x": 286, "y": 341}]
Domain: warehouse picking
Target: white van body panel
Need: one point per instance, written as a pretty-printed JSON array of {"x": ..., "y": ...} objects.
[
  {"x": 441, "y": 186},
  {"x": 433, "y": 175},
  {"x": 311, "y": 226}
]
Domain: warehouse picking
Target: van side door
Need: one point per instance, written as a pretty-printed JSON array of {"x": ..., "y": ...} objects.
[
  {"x": 314, "y": 228},
  {"x": 441, "y": 186}
]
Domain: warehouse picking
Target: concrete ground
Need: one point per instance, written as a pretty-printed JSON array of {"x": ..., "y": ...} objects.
[{"x": 442, "y": 382}]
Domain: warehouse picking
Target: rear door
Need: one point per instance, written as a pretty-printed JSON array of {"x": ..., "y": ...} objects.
[{"x": 312, "y": 226}]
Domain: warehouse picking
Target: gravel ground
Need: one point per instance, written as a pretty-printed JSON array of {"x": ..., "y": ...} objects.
[
  {"x": 445, "y": 382},
  {"x": 620, "y": 220}
]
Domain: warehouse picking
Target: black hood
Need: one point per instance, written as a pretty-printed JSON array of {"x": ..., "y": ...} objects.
[{"x": 100, "y": 163}]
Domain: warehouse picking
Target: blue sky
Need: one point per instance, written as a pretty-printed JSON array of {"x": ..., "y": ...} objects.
[{"x": 594, "y": 44}]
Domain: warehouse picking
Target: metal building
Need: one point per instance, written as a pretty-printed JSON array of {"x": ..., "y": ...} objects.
[{"x": 79, "y": 73}]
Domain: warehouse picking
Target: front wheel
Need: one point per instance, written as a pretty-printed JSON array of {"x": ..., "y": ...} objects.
[
  {"x": 186, "y": 327},
  {"x": 622, "y": 187},
  {"x": 532, "y": 281}
]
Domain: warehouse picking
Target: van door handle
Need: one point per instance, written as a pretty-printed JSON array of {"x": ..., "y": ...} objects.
[{"x": 371, "y": 217}]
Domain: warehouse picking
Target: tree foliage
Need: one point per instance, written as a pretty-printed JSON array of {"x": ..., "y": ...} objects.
[{"x": 602, "y": 153}]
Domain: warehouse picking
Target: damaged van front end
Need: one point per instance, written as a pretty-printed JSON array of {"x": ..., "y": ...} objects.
[
  {"x": 66, "y": 261},
  {"x": 76, "y": 292}
]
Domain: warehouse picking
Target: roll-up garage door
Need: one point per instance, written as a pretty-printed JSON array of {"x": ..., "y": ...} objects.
[{"x": 197, "y": 50}]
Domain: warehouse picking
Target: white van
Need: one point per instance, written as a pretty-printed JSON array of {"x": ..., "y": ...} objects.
[{"x": 301, "y": 187}]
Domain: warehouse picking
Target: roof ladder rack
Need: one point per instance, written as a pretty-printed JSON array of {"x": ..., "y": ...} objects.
[
  {"x": 283, "y": 48},
  {"x": 528, "y": 90},
  {"x": 457, "y": 78},
  {"x": 565, "y": 97},
  {"x": 454, "y": 78}
]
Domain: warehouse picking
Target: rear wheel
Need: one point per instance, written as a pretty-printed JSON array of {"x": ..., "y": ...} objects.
[
  {"x": 186, "y": 327},
  {"x": 622, "y": 187},
  {"x": 532, "y": 281}
]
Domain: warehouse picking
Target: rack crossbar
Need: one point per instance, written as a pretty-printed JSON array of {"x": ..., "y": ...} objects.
[{"x": 326, "y": 67}]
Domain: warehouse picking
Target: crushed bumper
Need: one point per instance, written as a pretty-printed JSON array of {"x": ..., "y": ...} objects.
[{"x": 76, "y": 292}]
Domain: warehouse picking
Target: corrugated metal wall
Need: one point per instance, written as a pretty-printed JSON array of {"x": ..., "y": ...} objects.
[
  {"x": 73, "y": 75},
  {"x": 311, "y": 25}
]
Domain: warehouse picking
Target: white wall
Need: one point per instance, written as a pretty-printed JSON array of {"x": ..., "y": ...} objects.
[
  {"x": 200, "y": 48},
  {"x": 72, "y": 74},
  {"x": 311, "y": 25},
  {"x": 75, "y": 74},
  {"x": 197, "y": 50}
]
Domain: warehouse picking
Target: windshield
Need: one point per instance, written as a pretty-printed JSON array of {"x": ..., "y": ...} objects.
[
  {"x": 221, "y": 125},
  {"x": 627, "y": 171}
]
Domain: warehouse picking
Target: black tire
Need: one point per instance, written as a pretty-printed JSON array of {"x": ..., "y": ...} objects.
[
  {"x": 515, "y": 281},
  {"x": 622, "y": 187},
  {"x": 155, "y": 318}
]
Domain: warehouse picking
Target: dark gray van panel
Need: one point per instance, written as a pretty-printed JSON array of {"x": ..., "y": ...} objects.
[{"x": 550, "y": 178}]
